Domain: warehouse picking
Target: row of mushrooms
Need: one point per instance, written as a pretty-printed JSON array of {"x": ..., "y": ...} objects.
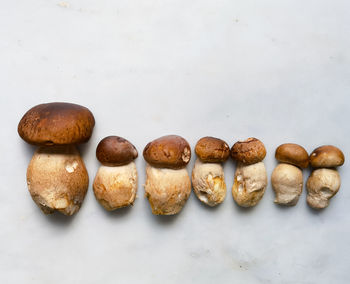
[{"x": 58, "y": 180}]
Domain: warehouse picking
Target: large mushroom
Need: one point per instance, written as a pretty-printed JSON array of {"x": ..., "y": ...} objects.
[
  {"x": 56, "y": 176},
  {"x": 168, "y": 185},
  {"x": 115, "y": 184}
]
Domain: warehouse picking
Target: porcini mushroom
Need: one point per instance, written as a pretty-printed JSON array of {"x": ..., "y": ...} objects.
[
  {"x": 168, "y": 184},
  {"x": 324, "y": 181},
  {"x": 57, "y": 178},
  {"x": 208, "y": 175},
  {"x": 250, "y": 179},
  {"x": 115, "y": 184},
  {"x": 287, "y": 177}
]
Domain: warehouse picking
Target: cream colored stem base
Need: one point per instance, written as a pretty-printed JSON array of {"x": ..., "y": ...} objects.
[
  {"x": 57, "y": 179},
  {"x": 167, "y": 190}
]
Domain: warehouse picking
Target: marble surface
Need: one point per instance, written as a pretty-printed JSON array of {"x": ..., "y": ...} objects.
[{"x": 276, "y": 70}]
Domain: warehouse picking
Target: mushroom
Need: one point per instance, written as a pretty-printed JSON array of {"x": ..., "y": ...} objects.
[
  {"x": 168, "y": 184},
  {"x": 208, "y": 175},
  {"x": 250, "y": 179},
  {"x": 324, "y": 182},
  {"x": 287, "y": 177},
  {"x": 57, "y": 178},
  {"x": 115, "y": 184}
]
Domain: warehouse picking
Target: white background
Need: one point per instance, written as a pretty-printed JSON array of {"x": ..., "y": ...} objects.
[{"x": 278, "y": 70}]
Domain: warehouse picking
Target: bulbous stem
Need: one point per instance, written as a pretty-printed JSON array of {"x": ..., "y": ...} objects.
[{"x": 57, "y": 179}]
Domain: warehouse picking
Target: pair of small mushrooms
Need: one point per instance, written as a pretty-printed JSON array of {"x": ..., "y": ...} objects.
[
  {"x": 323, "y": 183},
  {"x": 167, "y": 186},
  {"x": 250, "y": 179}
]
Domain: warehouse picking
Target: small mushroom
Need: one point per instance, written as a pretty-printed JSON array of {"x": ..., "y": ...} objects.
[
  {"x": 287, "y": 178},
  {"x": 287, "y": 182},
  {"x": 115, "y": 184},
  {"x": 168, "y": 185},
  {"x": 57, "y": 178},
  {"x": 208, "y": 175},
  {"x": 322, "y": 185},
  {"x": 324, "y": 182},
  {"x": 250, "y": 179}
]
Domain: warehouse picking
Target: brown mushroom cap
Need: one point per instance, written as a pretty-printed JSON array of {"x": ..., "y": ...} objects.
[
  {"x": 56, "y": 124},
  {"x": 169, "y": 151},
  {"x": 327, "y": 156},
  {"x": 249, "y": 151},
  {"x": 292, "y": 154},
  {"x": 115, "y": 151},
  {"x": 212, "y": 150}
]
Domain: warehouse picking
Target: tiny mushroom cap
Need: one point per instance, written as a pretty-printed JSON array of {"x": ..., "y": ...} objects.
[
  {"x": 169, "y": 151},
  {"x": 115, "y": 151},
  {"x": 56, "y": 124},
  {"x": 327, "y": 156},
  {"x": 212, "y": 150},
  {"x": 292, "y": 154},
  {"x": 248, "y": 152}
]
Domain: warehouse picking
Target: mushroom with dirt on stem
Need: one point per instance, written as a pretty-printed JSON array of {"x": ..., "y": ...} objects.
[
  {"x": 115, "y": 184},
  {"x": 208, "y": 175},
  {"x": 168, "y": 185},
  {"x": 56, "y": 176},
  {"x": 250, "y": 179}
]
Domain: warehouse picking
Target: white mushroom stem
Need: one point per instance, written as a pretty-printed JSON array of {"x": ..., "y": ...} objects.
[
  {"x": 116, "y": 187},
  {"x": 249, "y": 184},
  {"x": 209, "y": 182},
  {"x": 167, "y": 190},
  {"x": 287, "y": 182},
  {"x": 57, "y": 179},
  {"x": 322, "y": 185}
]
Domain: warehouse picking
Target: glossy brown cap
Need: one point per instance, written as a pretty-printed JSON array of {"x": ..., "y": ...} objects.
[
  {"x": 56, "y": 124},
  {"x": 327, "y": 156},
  {"x": 212, "y": 150},
  {"x": 292, "y": 154},
  {"x": 115, "y": 151},
  {"x": 249, "y": 151},
  {"x": 169, "y": 151}
]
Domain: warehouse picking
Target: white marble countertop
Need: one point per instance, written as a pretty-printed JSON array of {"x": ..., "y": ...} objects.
[{"x": 276, "y": 70}]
